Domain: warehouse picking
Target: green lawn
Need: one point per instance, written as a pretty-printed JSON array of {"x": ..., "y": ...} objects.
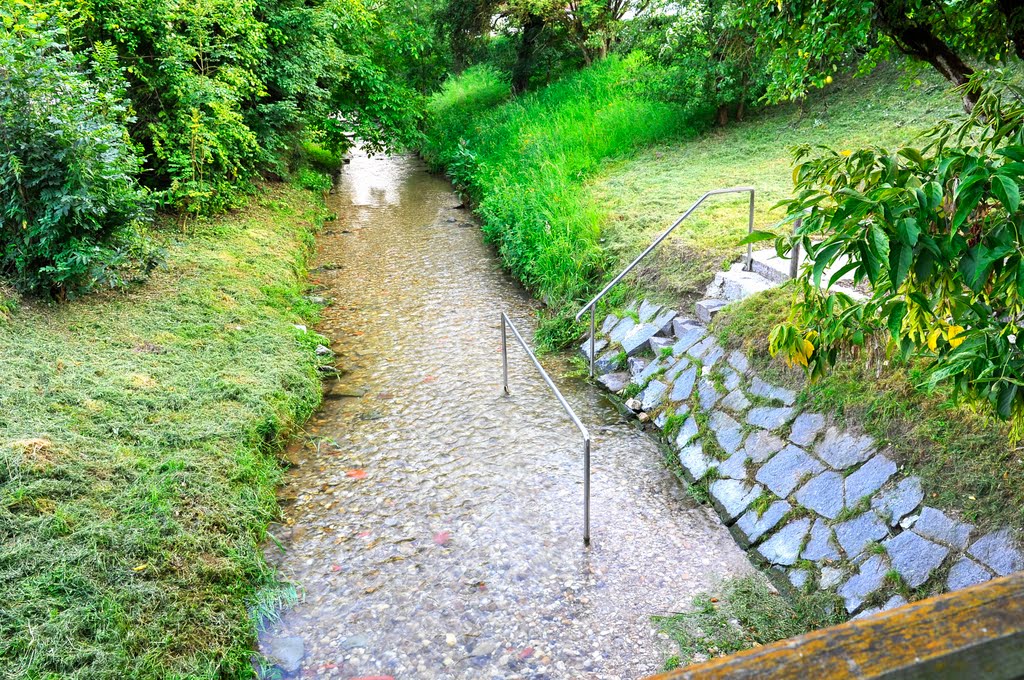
[
  {"x": 646, "y": 193},
  {"x": 137, "y": 454}
]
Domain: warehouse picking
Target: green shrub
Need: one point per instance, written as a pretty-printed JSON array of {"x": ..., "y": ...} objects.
[
  {"x": 313, "y": 180},
  {"x": 69, "y": 202},
  {"x": 524, "y": 162},
  {"x": 320, "y": 158}
]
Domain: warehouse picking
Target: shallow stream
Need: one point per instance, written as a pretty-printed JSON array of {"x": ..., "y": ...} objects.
[{"x": 435, "y": 524}]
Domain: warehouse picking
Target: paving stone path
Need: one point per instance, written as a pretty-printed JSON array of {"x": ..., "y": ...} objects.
[{"x": 818, "y": 506}]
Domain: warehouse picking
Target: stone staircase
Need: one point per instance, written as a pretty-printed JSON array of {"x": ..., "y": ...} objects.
[{"x": 767, "y": 271}]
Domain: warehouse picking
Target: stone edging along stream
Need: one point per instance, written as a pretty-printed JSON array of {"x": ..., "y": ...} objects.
[{"x": 819, "y": 507}]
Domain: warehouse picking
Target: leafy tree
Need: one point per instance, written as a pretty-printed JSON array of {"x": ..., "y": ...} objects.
[
  {"x": 938, "y": 234},
  {"x": 69, "y": 201},
  {"x": 805, "y": 41}
]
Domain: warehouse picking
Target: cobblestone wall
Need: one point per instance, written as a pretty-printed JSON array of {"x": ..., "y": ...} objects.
[{"x": 819, "y": 507}]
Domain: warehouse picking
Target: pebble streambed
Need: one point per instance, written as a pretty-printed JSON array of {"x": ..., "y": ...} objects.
[{"x": 434, "y": 524}]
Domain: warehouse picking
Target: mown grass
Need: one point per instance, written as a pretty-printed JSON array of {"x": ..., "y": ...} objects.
[
  {"x": 747, "y": 614},
  {"x": 523, "y": 162},
  {"x": 643, "y": 195},
  {"x": 137, "y": 466},
  {"x": 961, "y": 453}
]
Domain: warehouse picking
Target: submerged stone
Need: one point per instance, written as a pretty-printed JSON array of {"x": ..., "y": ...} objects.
[
  {"x": 784, "y": 471},
  {"x": 615, "y": 382},
  {"x": 914, "y": 557},
  {"x": 287, "y": 652}
]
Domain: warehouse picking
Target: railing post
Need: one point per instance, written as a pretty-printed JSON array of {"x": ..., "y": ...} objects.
[
  {"x": 794, "y": 256},
  {"x": 504, "y": 355},
  {"x": 750, "y": 230},
  {"x": 586, "y": 491},
  {"x": 593, "y": 333}
]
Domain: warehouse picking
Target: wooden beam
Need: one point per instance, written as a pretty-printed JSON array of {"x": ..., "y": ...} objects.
[{"x": 976, "y": 633}]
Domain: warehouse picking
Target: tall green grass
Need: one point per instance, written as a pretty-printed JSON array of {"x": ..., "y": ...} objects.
[{"x": 523, "y": 161}]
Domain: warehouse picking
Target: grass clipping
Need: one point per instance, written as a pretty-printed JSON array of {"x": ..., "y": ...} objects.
[
  {"x": 748, "y": 614},
  {"x": 137, "y": 472}
]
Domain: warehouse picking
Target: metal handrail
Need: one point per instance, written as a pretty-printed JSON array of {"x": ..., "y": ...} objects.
[
  {"x": 592, "y": 305},
  {"x": 507, "y": 323}
]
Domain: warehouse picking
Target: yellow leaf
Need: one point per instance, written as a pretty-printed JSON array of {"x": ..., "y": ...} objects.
[
  {"x": 845, "y": 152},
  {"x": 933, "y": 339},
  {"x": 140, "y": 567},
  {"x": 953, "y": 334}
]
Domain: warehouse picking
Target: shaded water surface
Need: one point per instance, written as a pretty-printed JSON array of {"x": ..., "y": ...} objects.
[{"x": 433, "y": 523}]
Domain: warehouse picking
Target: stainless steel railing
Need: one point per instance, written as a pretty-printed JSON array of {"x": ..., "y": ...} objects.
[
  {"x": 592, "y": 305},
  {"x": 506, "y": 323}
]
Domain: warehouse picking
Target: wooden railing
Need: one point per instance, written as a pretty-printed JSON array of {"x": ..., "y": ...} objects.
[{"x": 973, "y": 634}]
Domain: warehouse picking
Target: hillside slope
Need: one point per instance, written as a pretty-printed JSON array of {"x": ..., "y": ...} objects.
[{"x": 646, "y": 193}]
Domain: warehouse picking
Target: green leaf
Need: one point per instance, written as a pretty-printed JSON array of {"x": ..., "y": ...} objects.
[
  {"x": 1015, "y": 153},
  {"x": 913, "y": 155},
  {"x": 1004, "y": 406},
  {"x": 900, "y": 258},
  {"x": 932, "y": 192},
  {"x": 758, "y": 236},
  {"x": 965, "y": 206},
  {"x": 822, "y": 259},
  {"x": 899, "y": 310},
  {"x": 908, "y": 231},
  {"x": 1007, "y": 191}
]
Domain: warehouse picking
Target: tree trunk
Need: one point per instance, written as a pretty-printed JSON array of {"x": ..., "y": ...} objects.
[
  {"x": 916, "y": 39},
  {"x": 523, "y": 68}
]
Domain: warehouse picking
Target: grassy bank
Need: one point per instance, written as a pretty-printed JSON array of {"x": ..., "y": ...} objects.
[
  {"x": 524, "y": 161},
  {"x": 645, "y": 194},
  {"x": 137, "y": 466}
]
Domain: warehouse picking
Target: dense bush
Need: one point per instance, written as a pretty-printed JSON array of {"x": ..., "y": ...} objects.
[
  {"x": 69, "y": 200},
  {"x": 524, "y": 161},
  {"x": 938, "y": 234}
]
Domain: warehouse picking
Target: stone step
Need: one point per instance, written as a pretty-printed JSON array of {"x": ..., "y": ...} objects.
[{"x": 737, "y": 284}]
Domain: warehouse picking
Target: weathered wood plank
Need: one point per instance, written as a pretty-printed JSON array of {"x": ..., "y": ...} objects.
[{"x": 976, "y": 633}]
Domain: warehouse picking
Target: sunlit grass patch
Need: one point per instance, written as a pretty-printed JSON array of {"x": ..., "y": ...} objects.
[{"x": 137, "y": 466}]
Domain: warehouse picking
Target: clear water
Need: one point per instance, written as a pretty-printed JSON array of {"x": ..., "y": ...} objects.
[{"x": 435, "y": 524}]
